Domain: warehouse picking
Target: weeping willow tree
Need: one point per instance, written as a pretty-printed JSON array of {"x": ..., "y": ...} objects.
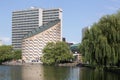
[{"x": 101, "y": 44}]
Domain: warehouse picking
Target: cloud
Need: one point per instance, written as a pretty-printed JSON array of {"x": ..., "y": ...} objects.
[
  {"x": 5, "y": 40},
  {"x": 112, "y": 8}
]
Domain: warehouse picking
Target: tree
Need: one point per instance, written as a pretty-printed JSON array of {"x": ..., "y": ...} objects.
[
  {"x": 101, "y": 44},
  {"x": 7, "y": 53},
  {"x": 56, "y": 53},
  {"x": 17, "y": 54}
]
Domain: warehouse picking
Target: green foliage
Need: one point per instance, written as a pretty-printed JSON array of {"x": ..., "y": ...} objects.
[
  {"x": 7, "y": 53},
  {"x": 17, "y": 54},
  {"x": 56, "y": 53},
  {"x": 101, "y": 44}
]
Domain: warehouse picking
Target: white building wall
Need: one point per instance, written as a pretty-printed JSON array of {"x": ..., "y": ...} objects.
[
  {"x": 1, "y": 43},
  {"x": 32, "y": 47},
  {"x": 40, "y": 17}
]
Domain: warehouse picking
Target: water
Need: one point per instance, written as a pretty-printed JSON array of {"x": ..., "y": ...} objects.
[{"x": 40, "y": 72}]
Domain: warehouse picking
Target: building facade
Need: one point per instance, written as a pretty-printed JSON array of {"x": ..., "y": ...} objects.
[
  {"x": 83, "y": 31},
  {"x": 1, "y": 43},
  {"x": 51, "y": 14},
  {"x": 34, "y": 42},
  {"x": 24, "y": 21}
]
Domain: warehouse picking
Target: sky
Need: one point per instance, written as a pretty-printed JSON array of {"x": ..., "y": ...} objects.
[{"x": 77, "y": 14}]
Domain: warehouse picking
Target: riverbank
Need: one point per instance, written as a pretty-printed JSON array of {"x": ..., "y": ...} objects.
[
  {"x": 20, "y": 62},
  {"x": 67, "y": 64},
  {"x": 13, "y": 62},
  {"x": 108, "y": 69},
  {"x": 17, "y": 62}
]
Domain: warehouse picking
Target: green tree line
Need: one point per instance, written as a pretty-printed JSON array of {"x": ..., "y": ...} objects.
[
  {"x": 7, "y": 53},
  {"x": 55, "y": 53},
  {"x": 101, "y": 44}
]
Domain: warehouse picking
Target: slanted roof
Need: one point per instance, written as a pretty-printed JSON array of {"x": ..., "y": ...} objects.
[
  {"x": 74, "y": 48},
  {"x": 41, "y": 28},
  {"x": 75, "y": 45}
]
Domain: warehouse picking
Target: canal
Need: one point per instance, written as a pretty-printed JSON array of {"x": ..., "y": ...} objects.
[{"x": 40, "y": 72}]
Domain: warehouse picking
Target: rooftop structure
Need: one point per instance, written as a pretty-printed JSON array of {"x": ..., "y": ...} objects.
[{"x": 75, "y": 48}]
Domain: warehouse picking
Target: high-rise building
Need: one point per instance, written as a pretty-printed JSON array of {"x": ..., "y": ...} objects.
[
  {"x": 83, "y": 31},
  {"x": 51, "y": 14},
  {"x": 24, "y": 21},
  {"x": 34, "y": 42},
  {"x": 1, "y": 43}
]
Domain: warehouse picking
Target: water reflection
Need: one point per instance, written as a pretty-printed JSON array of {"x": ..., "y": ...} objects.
[
  {"x": 10, "y": 73},
  {"x": 40, "y": 72},
  {"x": 90, "y": 74},
  {"x": 53, "y": 73},
  {"x": 32, "y": 72}
]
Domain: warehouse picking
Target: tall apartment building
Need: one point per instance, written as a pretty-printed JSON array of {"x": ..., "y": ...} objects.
[
  {"x": 51, "y": 14},
  {"x": 83, "y": 31},
  {"x": 1, "y": 43},
  {"x": 24, "y": 21}
]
